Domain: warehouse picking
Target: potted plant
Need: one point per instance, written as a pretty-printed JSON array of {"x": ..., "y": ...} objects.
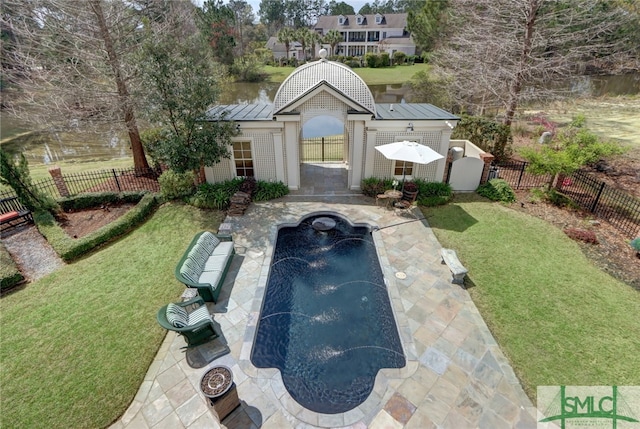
[
  {"x": 410, "y": 191},
  {"x": 410, "y": 187}
]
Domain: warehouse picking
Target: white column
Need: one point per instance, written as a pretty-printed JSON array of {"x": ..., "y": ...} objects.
[
  {"x": 278, "y": 150},
  {"x": 357, "y": 155},
  {"x": 293, "y": 155},
  {"x": 371, "y": 144}
]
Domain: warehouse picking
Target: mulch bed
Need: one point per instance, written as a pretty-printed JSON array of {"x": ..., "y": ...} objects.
[
  {"x": 83, "y": 222},
  {"x": 613, "y": 254}
]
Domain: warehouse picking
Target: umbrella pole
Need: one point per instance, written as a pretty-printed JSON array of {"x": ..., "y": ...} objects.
[{"x": 404, "y": 174}]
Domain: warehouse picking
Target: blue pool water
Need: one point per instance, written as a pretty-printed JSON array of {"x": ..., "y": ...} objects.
[{"x": 326, "y": 321}]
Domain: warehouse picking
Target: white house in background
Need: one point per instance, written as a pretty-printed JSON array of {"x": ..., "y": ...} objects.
[
  {"x": 368, "y": 33},
  {"x": 280, "y": 51},
  {"x": 271, "y": 146}
]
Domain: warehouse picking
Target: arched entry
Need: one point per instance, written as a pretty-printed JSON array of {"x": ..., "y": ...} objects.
[
  {"x": 324, "y": 152},
  {"x": 323, "y": 141},
  {"x": 322, "y": 88}
]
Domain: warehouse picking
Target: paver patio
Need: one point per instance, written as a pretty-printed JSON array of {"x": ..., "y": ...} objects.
[{"x": 456, "y": 375}]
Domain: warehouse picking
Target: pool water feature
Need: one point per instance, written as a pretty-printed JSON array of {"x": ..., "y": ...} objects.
[{"x": 326, "y": 321}]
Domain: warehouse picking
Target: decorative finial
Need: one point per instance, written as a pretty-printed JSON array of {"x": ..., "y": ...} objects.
[{"x": 323, "y": 53}]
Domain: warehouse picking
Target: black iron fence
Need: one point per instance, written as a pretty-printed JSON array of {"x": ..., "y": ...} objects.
[
  {"x": 514, "y": 172},
  {"x": 113, "y": 180},
  {"x": 46, "y": 185},
  {"x": 616, "y": 207},
  {"x": 323, "y": 149}
]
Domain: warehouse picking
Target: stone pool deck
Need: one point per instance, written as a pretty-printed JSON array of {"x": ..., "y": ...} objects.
[{"x": 456, "y": 375}]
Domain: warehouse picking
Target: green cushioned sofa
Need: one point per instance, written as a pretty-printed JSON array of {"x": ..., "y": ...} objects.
[{"x": 205, "y": 263}]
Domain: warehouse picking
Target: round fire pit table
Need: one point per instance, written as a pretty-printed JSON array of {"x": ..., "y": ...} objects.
[{"x": 218, "y": 386}]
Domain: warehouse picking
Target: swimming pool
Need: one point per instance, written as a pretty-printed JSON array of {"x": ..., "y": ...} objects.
[{"x": 326, "y": 321}]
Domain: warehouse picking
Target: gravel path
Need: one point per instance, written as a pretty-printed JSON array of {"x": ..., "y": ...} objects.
[{"x": 33, "y": 254}]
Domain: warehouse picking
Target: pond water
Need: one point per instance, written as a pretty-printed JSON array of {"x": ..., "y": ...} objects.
[{"x": 48, "y": 148}]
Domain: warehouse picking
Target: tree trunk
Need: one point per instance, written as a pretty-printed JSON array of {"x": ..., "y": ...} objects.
[
  {"x": 516, "y": 85},
  {"x": 139, "y": 158}
]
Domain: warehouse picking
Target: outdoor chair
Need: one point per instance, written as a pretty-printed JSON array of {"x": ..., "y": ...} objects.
[
  {"x": 407, "y": 200},
  {"x": 191, "y": 319}
]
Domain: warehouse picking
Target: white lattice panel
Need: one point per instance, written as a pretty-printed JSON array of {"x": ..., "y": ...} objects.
[
  {"x": 341, "y": 77},
  {"x": 322, "y": 104},
  {"x": 263, "y": 159},
  {"x": 263, "y": 155},
  {"x": 222, "y": 171},
  {"x": 382, "y": 167}
]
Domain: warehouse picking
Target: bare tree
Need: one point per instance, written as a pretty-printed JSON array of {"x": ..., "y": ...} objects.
[
  {"x": 506, "y": 52},
  {"x": 71, "y": 64}
]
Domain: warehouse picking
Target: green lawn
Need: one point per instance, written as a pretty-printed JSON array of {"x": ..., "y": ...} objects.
[
  {"x": 76, "y": 344},
  {"x": 559, "y": 319},
  {"x": 381, "y": 76}
]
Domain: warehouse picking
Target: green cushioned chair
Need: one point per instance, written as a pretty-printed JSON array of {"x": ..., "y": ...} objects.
[{"x": 191, "y": 319}]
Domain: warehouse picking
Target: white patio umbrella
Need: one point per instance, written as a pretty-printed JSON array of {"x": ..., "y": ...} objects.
[{"x": 409, "y": 152}]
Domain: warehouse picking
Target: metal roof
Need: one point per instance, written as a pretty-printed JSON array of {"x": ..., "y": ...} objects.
[
  {"x": 413, "y": 111},
  {"x": 241, "y": 112},
  {"x": 265, "y": 112}
]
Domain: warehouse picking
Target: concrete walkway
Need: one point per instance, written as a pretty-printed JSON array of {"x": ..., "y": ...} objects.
[{"x": 456, "y": 375}]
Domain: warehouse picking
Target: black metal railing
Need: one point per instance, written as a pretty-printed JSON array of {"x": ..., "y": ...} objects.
[
  {"x": 112, "y": 180},
  {"x": 613, "y": 205},
  {"x": 515, "y": 173},
  {"x": 323, "y": 149}
]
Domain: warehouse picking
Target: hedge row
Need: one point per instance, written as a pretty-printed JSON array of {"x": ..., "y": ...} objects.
[
  {"x": 96, "y": 199},
  {"x": 69, "y": 248},
  {"x": 9, "y": 273}
]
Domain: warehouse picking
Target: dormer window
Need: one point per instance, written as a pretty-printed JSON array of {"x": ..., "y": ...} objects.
[
  {"x": 378, "y": 18},
  {"x": 341, "y": 20},
  {"x": 359, "y": 19}
]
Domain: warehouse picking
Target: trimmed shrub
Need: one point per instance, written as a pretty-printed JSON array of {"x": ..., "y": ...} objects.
[
  {"x": 431, "y": 194},
  {"x": 85, "y": 201},
  {"x": 373, "y": 186},
  {"x": 384, "y": 59},
  {"x": 70, "y": 249},
  {"x": 558, "y": 199},
  {"x": 399, "y": 57},
  {"x": 177, "y": 185},
  {"x": 216, "y": 195},
  {"x": 269, "y": 190},
  {"x": 9, "y": 273},
  {"x": 209, "y": 196},
  {"x": 497, "y": 190},
  {"x": 371, "y": 60}
]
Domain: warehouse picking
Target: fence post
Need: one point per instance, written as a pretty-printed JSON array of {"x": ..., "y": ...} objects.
[
  {"x": 487, "y": 158},
  {"x": 115, "y": 176},
  {"x": 524, "y": 165},
  {"x": 322, "y": 149},
  {"x": 595, "y": 203},
  {"x": 58, "y": 180}
]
